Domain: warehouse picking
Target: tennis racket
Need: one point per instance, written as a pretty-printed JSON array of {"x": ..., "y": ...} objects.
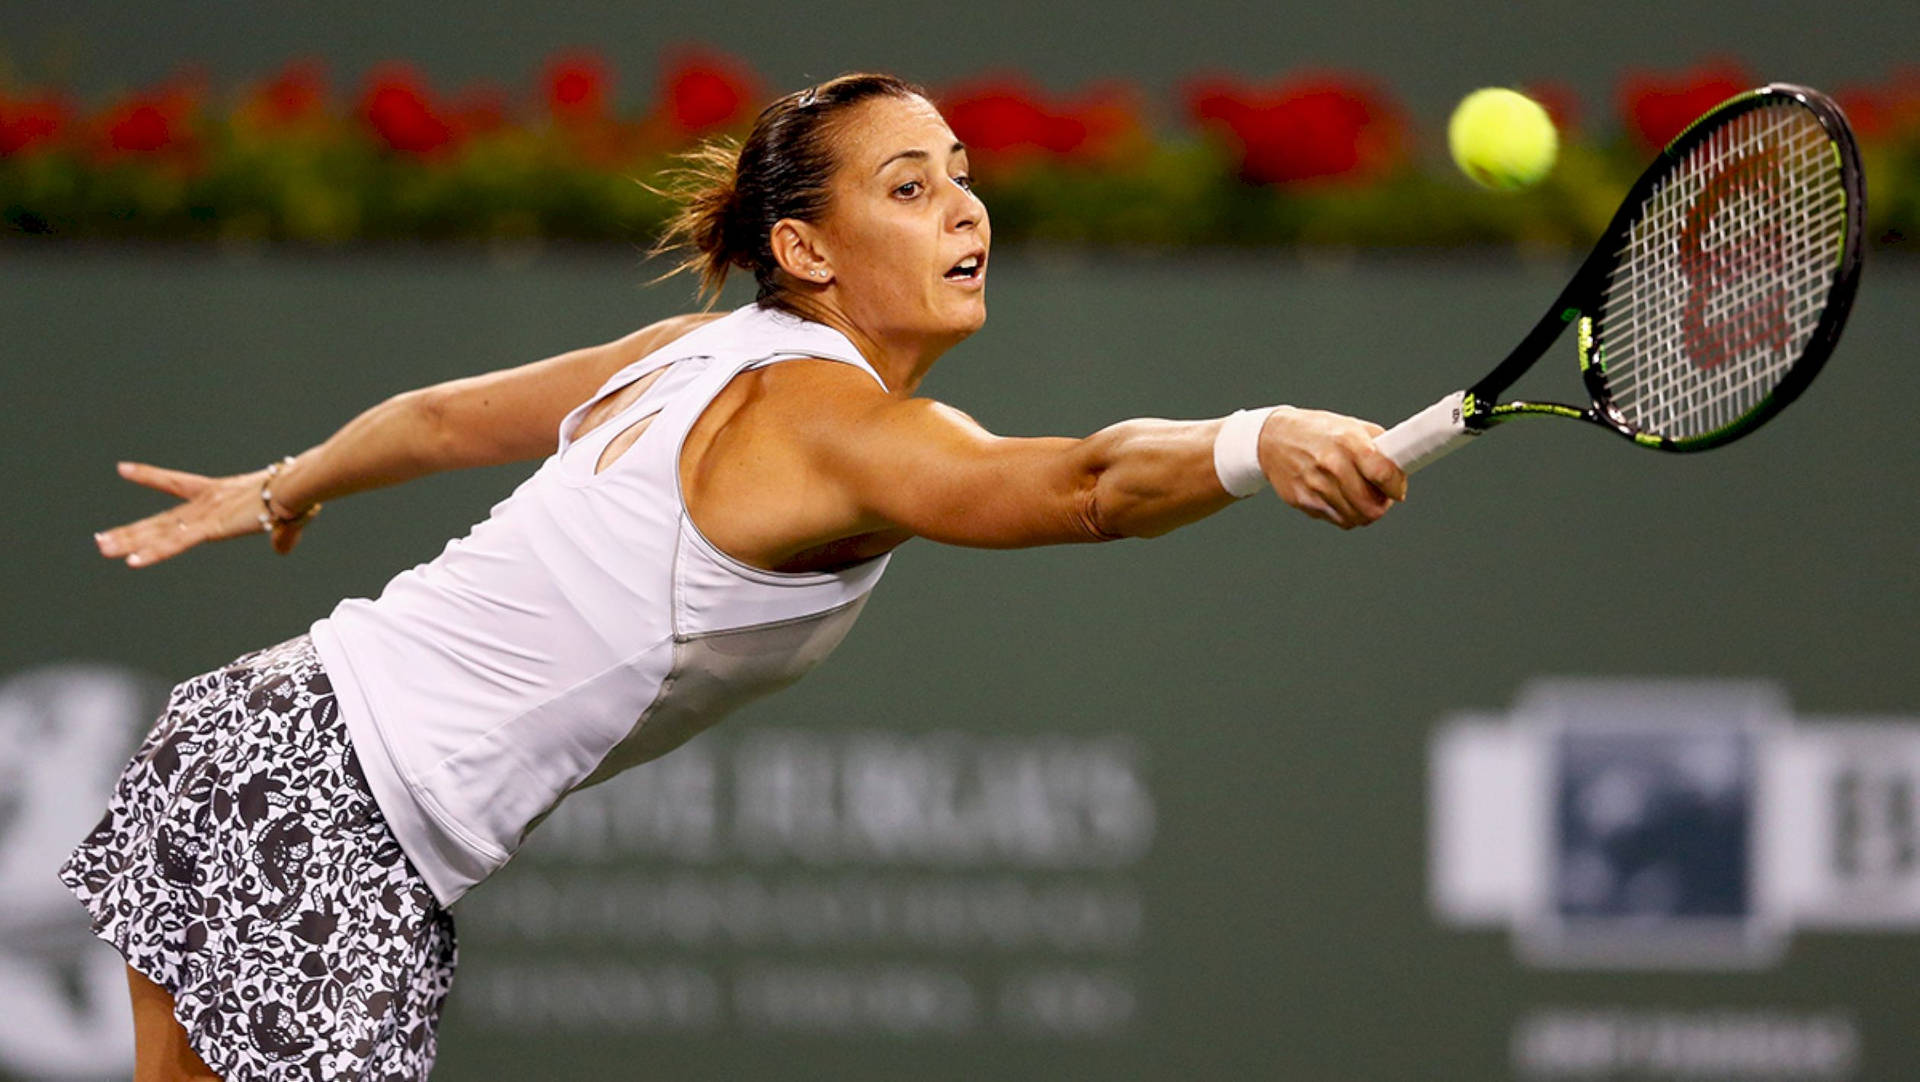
[{"x": 1713, "y": 298}]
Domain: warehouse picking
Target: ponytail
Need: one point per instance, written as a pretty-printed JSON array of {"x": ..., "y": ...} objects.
[
  {"x": 728, "y": 196},
  {"x": 703, "y": 190}
]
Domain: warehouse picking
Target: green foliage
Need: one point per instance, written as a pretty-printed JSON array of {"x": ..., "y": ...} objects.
[{"x": 330, "y": 182}]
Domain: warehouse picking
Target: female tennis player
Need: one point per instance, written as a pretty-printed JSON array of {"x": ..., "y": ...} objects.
[{"x": 276, "y": 862}]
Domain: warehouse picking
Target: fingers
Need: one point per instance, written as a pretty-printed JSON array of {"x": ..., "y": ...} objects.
[
  {"x": 1315, "y": 508},
  {"x": 1351, "y": 494},
  {"x": 150, "y": 540},
  {"x": 1337, "y": 480},
  {"x": 1330, "y": 469},
  {"x": 1333, "y": 493},
  {"x": 172, "y": 482},
  {"x": 1383, "y": 473},
  {"x": 120, "y": 542},
  {"x": 286, "y": 535},
  {"x": 212, "y": 509}
]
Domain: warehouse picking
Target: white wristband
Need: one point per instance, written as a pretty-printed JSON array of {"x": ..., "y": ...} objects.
[{"x": 1236, "y": 452}]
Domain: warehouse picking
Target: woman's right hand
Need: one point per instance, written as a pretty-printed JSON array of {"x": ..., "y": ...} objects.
[
  {"x": 210, "y": 509},
  {"x": 1326, "y": 465}
]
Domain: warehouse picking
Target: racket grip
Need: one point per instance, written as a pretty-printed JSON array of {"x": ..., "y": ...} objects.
[{"x": 1427, "y": 435}]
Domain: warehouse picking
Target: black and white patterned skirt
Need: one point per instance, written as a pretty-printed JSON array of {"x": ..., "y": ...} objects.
[{"x": 244, "y": 867}]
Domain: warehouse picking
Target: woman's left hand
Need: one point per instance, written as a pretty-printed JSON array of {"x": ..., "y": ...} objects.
[{"x": 210, "y": 509}]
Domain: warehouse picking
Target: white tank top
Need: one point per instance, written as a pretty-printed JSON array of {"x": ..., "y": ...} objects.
[{"x": 585, "y": 627}]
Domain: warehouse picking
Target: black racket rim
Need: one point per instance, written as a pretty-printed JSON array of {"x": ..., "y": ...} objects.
[{"x": 1840, "y": 294}]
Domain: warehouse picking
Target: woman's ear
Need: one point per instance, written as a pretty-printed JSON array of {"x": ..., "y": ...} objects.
[{"x": 798, "y": 248}]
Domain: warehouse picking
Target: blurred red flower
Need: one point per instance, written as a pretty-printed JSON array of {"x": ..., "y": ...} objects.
[
  {"x": 703, "y": 91},
  {"x": 400, "y": 111},
  {"x": 150, "y": 122},
  {"x": 1659, "y": 105},
  {"x": 1887, "y": 111},
  {"x": 1113, "y": 114},
  {"x": 578, "y": 87},
  {"x": 1318, "y": 126},
  {"x": 295, "y": 96},
  {"x": 1007, "y": 117},
  {"x": 141, "y": 127},
  {"x": 27, "y": 123}
]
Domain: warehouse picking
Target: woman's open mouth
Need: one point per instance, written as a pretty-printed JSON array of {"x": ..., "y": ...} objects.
[{"x": 968, "y": 269}]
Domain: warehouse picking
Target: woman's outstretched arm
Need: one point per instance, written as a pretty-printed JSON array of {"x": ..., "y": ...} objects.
[
  {"x": 932, "y": 470},
  {"x": 842, "y": 459},
  {"x": 486, "y": 420}
]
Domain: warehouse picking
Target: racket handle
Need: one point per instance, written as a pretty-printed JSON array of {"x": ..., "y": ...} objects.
[{"x": 1425, "y": 436}]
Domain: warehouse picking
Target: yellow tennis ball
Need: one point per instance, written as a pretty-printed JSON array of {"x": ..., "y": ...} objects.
[{"x": 1502, "y": 139}]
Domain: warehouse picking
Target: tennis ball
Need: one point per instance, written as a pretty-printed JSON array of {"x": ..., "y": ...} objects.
[{"x": 1502, "y": 139}]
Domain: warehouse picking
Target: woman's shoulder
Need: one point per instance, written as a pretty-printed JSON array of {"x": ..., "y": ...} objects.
[{"x": 657, "y": 336}]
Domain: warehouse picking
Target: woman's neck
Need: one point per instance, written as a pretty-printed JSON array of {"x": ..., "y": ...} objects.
[{"x": 901, "y": 364}]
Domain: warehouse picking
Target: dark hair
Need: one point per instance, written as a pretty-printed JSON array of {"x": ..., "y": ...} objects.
[{"x": 730, "y": 195}]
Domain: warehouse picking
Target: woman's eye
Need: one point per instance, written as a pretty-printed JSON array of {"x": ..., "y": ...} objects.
[
  {"x": 965, "y": 180},
  {"x": 908, "y": 190}
]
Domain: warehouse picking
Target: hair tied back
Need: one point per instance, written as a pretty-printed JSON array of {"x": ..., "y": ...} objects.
[{"x": 729, "y": 196}]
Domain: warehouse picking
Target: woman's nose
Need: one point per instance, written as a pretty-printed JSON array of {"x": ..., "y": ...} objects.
[{"x": 968, "y": 209}]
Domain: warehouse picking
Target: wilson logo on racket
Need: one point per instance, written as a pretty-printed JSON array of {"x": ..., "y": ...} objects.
[{"x": 1718, "y": 262}]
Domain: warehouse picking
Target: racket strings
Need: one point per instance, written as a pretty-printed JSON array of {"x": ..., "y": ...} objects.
[{"x": 1722, "y": 280}]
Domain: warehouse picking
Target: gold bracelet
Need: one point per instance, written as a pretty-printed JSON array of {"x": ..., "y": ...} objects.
[{"x": 270, "y": 515}]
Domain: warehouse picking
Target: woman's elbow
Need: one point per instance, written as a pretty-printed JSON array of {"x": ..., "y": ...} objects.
[
  {"x": 434, "y": 436},
  {"x": 1107, "y": 509},
  {"x": 460, "y": 424},
  {"x": 1100, "y": 512}
]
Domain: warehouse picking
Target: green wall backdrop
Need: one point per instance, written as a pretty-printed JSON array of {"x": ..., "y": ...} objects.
[{"x": 1227, "y": 729}]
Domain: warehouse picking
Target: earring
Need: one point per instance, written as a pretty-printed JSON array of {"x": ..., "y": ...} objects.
[{"x": 819, "y": 274}]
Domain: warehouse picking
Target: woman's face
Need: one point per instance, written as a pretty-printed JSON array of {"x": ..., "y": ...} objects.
[{"x": 906, "y": 237}]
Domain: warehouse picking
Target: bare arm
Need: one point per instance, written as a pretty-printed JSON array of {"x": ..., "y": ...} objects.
[
  {"x": 485, "y": 420},
  {"x": 929, "y": 469}
]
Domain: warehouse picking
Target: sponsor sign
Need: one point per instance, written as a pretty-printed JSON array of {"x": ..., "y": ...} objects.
[
  {"x": 1671, "y": 824},
  {"x": 786, "y": 881}
]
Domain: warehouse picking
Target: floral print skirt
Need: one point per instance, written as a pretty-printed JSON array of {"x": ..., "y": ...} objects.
[{"x": 244, "y": 867}]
